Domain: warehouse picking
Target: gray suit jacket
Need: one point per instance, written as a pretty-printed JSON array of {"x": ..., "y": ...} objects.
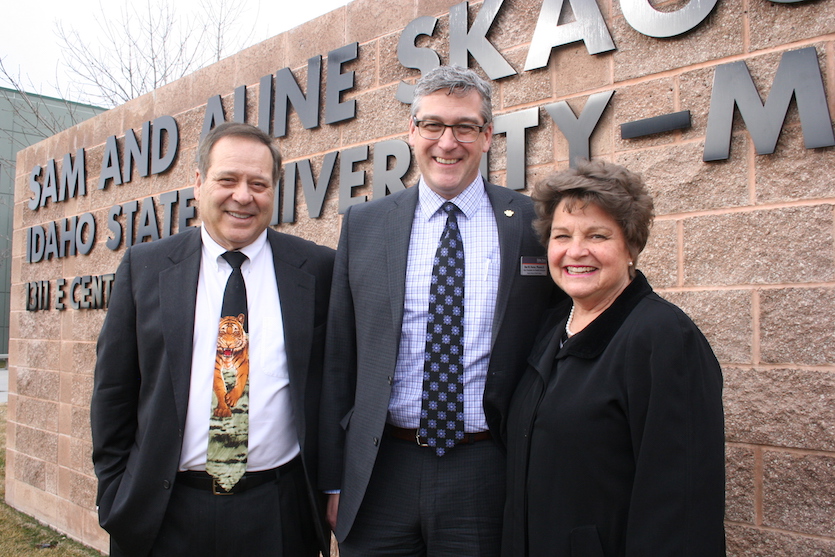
[
  {"x": 143, "y": 370},
  {"x": 364, "y": 325}
]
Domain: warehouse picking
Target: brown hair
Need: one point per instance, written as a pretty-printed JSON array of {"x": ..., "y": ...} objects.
[
  {"x": 613, "y": 188},
  {"x": 235, "y": 129}
]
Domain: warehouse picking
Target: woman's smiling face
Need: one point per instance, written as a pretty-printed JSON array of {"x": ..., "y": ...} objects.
[{"x": 587, "y": 255}]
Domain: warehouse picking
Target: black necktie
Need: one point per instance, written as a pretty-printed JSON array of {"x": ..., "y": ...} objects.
[
  {"x": 442, "y": 408},
  {"x": 229, "y": 422}
]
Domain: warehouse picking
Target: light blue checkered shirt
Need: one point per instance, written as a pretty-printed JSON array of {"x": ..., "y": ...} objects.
[{"x": 481, "y": 280}]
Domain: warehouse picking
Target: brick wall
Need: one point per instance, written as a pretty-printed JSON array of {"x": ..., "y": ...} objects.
[{"x": 744, "y": 245}]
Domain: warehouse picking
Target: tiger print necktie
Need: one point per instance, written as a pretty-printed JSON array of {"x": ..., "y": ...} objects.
[{"x": 229, "y": 421}]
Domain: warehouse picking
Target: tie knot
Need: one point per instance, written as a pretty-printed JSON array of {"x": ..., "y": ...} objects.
[
  {"x": 450, "y": 209},
  {"x": 235, "y": 258}
]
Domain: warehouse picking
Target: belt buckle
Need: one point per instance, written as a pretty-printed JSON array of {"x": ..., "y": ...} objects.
[
  {"x": 218, "y": 489},
  {"x": 417, "y": 439}
]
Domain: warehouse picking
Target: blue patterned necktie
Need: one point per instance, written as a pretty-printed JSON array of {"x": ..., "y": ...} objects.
[
  {"x": 229, "y": 422},
  {"x": 442, "y": 406}
]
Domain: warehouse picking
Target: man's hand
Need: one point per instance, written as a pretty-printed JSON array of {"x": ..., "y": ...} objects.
[{"x": 333, "y": 507}]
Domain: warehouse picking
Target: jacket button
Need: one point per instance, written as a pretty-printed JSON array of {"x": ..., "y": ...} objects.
[
  {"x": 166, "y": 484},
  {"x": 376, "y": 441},
  {"x": 390, "y": 380}
]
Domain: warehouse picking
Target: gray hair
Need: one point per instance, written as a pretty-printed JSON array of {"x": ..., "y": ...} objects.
[
  {"x": 235, "y": 129},
  {"x": 458, "y": 81}
]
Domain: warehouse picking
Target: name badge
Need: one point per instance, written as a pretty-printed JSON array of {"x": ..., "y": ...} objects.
[{"x": 534, "y": 266}]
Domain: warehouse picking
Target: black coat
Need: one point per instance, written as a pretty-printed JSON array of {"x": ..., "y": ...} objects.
[{"x": 616, "y": 440}]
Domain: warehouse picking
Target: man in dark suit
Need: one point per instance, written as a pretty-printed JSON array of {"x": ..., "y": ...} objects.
[
  {"x": 395, "y": 490},
  {"x": 152, "y": 395}
]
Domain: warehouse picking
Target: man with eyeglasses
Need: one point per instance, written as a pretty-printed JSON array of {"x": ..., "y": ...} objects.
[{"x": 413, "y": 409}]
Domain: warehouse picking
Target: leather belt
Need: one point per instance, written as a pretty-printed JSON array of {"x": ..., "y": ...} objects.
[
  {"x": 411, "y": 435},
  {"x": 199, "y": 479}
]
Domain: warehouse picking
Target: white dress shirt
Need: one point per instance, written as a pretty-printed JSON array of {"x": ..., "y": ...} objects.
[
  {"x": 272, "y": 434},
  {"x": 480, "y": 234}
]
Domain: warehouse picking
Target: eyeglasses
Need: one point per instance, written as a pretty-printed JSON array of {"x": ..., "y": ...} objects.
[{"x": 463, "y": 133}]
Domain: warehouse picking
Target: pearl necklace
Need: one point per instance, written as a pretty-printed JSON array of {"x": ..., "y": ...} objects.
[{"x": 567, "y": 323}]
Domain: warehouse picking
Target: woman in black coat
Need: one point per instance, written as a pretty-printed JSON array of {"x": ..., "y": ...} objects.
[{"x": 615, "y": 432}]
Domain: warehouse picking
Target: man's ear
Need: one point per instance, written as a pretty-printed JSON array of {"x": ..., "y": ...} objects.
[{"x": 198, "y": 181}]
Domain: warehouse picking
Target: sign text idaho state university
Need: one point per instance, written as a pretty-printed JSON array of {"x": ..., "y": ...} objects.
[{"x": 154, "y": 151}]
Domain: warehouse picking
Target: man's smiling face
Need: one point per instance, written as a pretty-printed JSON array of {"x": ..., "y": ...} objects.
[
  {"x": 235, "y": 198},
  {"x": 447, "y": 165}
]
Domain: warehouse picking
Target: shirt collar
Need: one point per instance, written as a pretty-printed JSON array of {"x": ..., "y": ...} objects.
[
  {"x": 214, "y": 250},
  {"x": 468, "y": 201}
]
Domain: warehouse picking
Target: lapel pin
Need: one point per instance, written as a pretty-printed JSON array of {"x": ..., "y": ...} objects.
[{"x": 508, "y": 213}]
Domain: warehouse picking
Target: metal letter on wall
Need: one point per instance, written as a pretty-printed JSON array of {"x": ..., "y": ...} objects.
[
  {"x": 35, "y": 186},
  {"x": 314, "y": 191},
  {"x": 160, "y": 162},
  {"x": 410, "y": 56},
  {"x": 110, "y": 164},
  {"x": 288, "y": 194},
  {"x": 73, "y": 176},
  {"x": 387, "y": 180},
  {"x": 336, "y": 111},
  {"x": 513, "y": 126},
  {"x": 214, "y": 115},
  {"x": 265, "y": 103},
  {"x": 287, "y": 91},
  {"x": 136, "y": 153},
  {"x": 85, "y": 233},
  {"x": 239, "y": 108},
  {"x": 350, "y": 178},
  {"x": 645, "y": 19},
  {"x": 588, "y": 26},
  {"x": 578, "y": 130},
  {"x": 474, "y": 41},
  {"x": 798, "y": 75}
]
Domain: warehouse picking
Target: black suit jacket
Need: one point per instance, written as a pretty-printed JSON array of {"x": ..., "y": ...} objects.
[
  {"x": 364, "y": 328},
  {"x": 616, "y": 439},
  {"x": 141, "y": 384}
]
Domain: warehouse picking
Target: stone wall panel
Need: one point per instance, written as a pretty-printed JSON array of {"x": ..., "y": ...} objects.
[
  {"x": 576, "y": 70},
  {"x": 644, "y": 100},
  {"x": 745, "y": 541},
  {"x": 771, "y": 26},
  {"x": 740, "y": 484},
  {"x": 798, "y": 173},
  {"x": 528, "y": 87},
  {"x": 797, "y": 325},
  {"x": 39, "y": 413},
  {"x": 780, "y": 407},
  {"x": 316, "y": 37},
  {"x": 798, "y": 494},
  {"x": 37, "y": 443},
  {"x": 42, "y": 383},
  {"x": 719, "y": 36},
  {"x": 360, "y": 27},
  {"x": 790, "y": 244},
  {"x": 659, "y": 260},
  {"x": 680, "y": 182},
  {"x": 725, "y": 317}
]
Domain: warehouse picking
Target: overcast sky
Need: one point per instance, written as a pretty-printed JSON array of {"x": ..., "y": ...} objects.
[{"x": 28, "y": 34}]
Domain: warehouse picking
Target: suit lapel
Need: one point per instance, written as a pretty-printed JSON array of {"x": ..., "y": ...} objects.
[
  {"x": 178, "y": 299},
  {"x": 399, "y": 227},
  {"x": 509, "y": 223},
  {"x": 296, "y": 292}
]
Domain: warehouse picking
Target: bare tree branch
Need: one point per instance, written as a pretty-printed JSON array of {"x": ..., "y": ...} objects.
[{"x": 146, "y": 47}]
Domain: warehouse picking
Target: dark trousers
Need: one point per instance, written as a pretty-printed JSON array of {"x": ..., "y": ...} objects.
[
  {"x": 271, "y": 520},
  {"x": 418, "y": 504}
]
